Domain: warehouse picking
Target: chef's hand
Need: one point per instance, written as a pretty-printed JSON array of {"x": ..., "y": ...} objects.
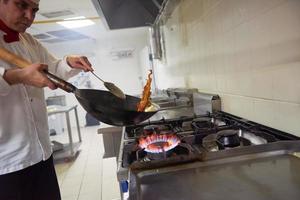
[
  {"x": 32, "y": 75},
  {"x": 79, "y": 62}
]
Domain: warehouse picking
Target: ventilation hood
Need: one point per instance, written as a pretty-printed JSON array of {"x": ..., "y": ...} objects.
[{"x": 128, "y": 13}]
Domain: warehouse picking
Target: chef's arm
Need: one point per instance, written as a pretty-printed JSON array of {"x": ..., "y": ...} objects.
[
  {"x": 32, "y": 75},
  {"x": 67, "y": 67},
  {"x": 79, "y": 62}
]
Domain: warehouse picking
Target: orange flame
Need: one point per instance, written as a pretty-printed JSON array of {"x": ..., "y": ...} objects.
[{"x": 158, "y": 143}]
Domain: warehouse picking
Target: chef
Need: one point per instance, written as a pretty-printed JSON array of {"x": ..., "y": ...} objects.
[{"x": 26, "y": 164}]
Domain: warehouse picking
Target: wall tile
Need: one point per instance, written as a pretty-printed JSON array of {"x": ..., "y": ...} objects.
[
  {"x": 238, "y": 105},
  {"x": 263, "y": 84},
  {"x": 248, "y": 10},
  {"x": 283, "y": 21},
  {"x": 264, "y": 111},
  {"x": 286, "y": 117},
  {"x": 286, "y": 84},
  {"x": 247, "y": 51},
  {"x": 222, "y": 83},
  {"x": 279, "y": 115},
  {"x": 209, "y": 5}
]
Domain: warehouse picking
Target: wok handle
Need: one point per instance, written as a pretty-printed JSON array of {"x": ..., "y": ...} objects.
[
  {"x": 22, "y": 63},
  {"x": 62, "y": 84}
]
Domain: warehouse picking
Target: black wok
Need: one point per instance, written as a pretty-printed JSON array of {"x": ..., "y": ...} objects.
[
  {"x": 103, "y": 105},
  {"x": 110, "y": 109}
]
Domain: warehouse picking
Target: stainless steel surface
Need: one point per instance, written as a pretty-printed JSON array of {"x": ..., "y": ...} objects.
[
  {"x": 263, "y": 172},
  {"x": 172, "y": 112},
  {"x": 227, "y": 157},
  {"x": 56, "y": 100},
  {"x": 204, "y": 103},
  {"x": 181, "y": 92},
  {"x": 122, "y": 173},
  {"x": 155, "y": 41},
  {"x": 173, "y": 97},
  {"x": 128, "y": 13},
  {"x": 215, "y": 146},
  {"x": 111, "y": 140},
  {"x": 166, "y": 11}
]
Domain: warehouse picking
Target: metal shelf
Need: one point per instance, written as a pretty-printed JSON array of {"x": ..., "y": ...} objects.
[
  {"x": 69, "y": 150},
  {"x": 66, "y": 154}
]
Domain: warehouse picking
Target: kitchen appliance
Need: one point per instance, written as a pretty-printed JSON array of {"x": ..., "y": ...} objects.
[
  {"x": 120, "y": 14},
  {"x": 112, "y": 136},
  {"x": 180, "y": 154}
]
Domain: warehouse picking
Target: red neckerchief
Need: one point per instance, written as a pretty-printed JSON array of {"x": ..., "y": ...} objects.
[{"x": 11, "y": 35}]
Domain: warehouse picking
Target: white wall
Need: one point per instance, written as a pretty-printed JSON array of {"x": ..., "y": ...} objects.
[
  {"x": 248, "y": 51},
  {"x": 124, "y": 73}
]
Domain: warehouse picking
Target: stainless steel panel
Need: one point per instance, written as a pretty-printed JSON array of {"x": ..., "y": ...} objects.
[
  {"x": 120, "y": 14},
  {"x": 111, "y": 140},
  {"x": 173, "y": 113},
  {"x": 268, "y": 172},
  {"x": 204, "y": 103}
]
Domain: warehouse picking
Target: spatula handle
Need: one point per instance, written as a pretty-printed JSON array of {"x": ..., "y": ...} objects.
[{"x": 22, "y": 63}]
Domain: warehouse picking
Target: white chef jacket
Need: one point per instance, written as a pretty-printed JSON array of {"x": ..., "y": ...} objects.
[{"x": 24, "y": 136}]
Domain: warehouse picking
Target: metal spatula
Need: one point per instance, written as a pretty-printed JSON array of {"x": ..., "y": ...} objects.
[{"x": 112, "y": 88}]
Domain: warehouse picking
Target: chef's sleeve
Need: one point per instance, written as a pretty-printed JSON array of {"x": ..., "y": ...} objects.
[
  {"x": 56, "y": 66},
  {"x": 4, "y": 86}
]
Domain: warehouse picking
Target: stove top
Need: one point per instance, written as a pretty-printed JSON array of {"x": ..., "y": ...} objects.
[
  {"x": 186, "y": 139},
  {"x": 181, "y": 125}
]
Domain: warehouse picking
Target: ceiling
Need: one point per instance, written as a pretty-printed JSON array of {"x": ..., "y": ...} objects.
[{"x": 49, "y": 32}]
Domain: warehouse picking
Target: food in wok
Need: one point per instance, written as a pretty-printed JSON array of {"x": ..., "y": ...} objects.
[{"x": 145, "y": 100}]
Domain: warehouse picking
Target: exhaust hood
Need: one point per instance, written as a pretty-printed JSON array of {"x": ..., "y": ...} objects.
[{"x": 128, "y": 13}]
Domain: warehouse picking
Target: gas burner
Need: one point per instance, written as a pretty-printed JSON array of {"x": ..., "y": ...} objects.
[
  {"x": 158, "y": 143},
  {"x": 157, "y": 156},
  {"x": 203, "y": 122},
  {"x": 155, "y": 129},
  {"x": 185, "y": 139},
  {"x": 150, "y": 129},
  {"x": 229, "y": 138},
  {"x": 210, "y": 142},
  {"x": 145, "y": 130},
  {"x": 179, "y": 150}
]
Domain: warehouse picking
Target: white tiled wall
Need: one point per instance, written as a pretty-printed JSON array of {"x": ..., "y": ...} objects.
[{"x": 248, "y": 51}]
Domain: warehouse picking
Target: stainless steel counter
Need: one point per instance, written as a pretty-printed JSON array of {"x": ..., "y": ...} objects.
[{"x": 263, "y": 172}]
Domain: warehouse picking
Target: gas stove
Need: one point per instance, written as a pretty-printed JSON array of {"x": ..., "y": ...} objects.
[
  {"x": 179, "y": 139},
  {"x": 186, "y": 139}
]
